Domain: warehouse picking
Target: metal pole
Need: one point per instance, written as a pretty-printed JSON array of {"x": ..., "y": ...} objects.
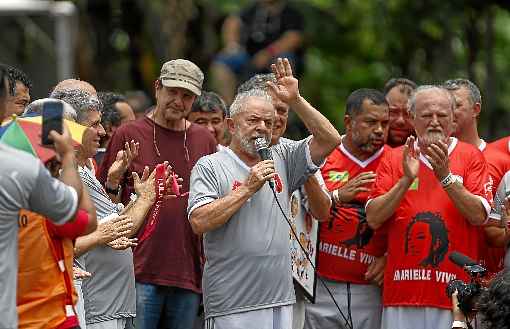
[{"x": 65, "y": 14}]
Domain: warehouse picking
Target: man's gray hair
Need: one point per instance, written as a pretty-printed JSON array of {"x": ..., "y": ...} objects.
[
  {"x": 239, "y": 104},
  {"x": 474, "y": 92},
  {"x": 412, "y": 100},
  {"x": 36, "y": 107},
  {"x": 80, "y": 100},
  {"x": 258, "y": 81}
]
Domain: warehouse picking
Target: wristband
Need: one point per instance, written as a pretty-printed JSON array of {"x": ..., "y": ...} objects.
[
  {"x": 448, "y": 180},
  {"x": 459, "y": 324},
  {"x": 335, "y": 197}
]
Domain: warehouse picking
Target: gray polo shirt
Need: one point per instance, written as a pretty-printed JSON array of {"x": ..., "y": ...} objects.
[
  {"x": 24, "y": 184},
  {"x": 110, "y": 292},
  {"x": 502, "y": 192},
  {"x": 248, "y": 259}
]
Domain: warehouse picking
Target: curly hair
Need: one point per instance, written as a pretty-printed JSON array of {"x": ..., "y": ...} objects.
[
  {"x": 16, "y": 74},
  {"x": 494, "y": 302},
  {"x": 111, "y": 116}
]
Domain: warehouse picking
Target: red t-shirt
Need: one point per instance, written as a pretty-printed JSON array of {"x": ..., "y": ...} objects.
[
  {"x": 427, "y": 226},
  {"x": 497, "y": 155},
  {"x": 172, "y": 255},
  {"x": 502, "y": 145},
  {"x": 347, "y": 244}
]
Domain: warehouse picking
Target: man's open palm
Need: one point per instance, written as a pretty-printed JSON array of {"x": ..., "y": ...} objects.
[
  {"x": 286, "y": 87},
  {"x": 411, "y": 161}
]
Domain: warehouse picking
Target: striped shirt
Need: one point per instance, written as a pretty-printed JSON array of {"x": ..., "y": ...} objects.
[{"x": 110, "y": 292}]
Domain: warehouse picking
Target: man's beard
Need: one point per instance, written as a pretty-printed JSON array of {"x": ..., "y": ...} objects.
[
  {"x": 364, "y": 145},
  {"x": 432, "y": 137},
  {"x": 247, "y": 143}
]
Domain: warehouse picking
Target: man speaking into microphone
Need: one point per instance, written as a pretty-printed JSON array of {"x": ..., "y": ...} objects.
[{"x": 247, "y": 281}]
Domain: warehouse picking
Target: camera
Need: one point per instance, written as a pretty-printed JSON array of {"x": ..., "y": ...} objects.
[{"x": 468, "y": 293}]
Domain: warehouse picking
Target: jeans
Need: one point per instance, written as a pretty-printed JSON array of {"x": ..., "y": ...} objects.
[{"x": 165, "y": 307}]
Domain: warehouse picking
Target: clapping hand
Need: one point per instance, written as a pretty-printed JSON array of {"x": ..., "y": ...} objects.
[
  {"x": 122, "y": 163},
  {"x": 145, "y": 187},
  {"x": 123, "y": 243},
  {"x": 114, "y": 228},
  {"x": 437, "y": 154},
  {"x": 286, "y": 87},
  {"x": 411, "y": 161}
]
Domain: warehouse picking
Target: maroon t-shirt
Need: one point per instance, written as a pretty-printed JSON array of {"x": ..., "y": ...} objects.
[{"x": 172, "y": 255}]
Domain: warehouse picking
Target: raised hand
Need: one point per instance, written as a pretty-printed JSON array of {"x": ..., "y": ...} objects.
[
  {"x": 349, "y": 190},
  {"x": 286, "y": 87},
  {"x": 437, "y": 154},
  {"x": 411, "y": 161},
  {"x": 123, "y": 243},
  {"x": 145, "y": 187},
  {"x": 122, "y": 163},
  {"x": 259, "y": 174}
]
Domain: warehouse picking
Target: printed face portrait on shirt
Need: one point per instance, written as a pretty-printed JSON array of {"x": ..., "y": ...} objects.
[
  {"x": 427, "y": 239},
  {"x": 294, "y": 206},
  {"x": 354, "y": 236}
]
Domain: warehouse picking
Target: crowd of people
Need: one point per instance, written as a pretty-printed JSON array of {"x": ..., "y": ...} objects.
[{"x": 174, "y": 220}]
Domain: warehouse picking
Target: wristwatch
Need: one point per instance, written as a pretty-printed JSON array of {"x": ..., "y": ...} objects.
[
  {"x": 449, "y": 180},
  {"x": 110, "y": 190},
  {"x": 459, "y": 324}
]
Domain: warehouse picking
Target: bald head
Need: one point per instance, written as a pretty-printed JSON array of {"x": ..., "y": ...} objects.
[{"x": 73, "y": 84}]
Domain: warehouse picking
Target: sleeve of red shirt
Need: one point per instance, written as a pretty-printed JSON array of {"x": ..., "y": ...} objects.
[
  {"x": 73, "y": 229},
  {"x": 384, "y": 181},
  {"x": 477, "y": 180},
  {"x": 384, "y": 176}
]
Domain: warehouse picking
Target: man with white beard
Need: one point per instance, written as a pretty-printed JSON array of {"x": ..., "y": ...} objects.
[
  {"x": 247, "y": 275},
  {"x": 429, "y": 195}
]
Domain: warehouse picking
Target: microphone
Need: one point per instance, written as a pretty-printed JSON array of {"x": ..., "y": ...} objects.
[
  {"x": 265, "y": 153},
  {"x": 461, "y": 260},
  {"x": 471, "y": 267}
]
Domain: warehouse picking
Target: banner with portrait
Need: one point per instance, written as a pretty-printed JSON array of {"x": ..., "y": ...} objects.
[{"x": 307, "y": 231}]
